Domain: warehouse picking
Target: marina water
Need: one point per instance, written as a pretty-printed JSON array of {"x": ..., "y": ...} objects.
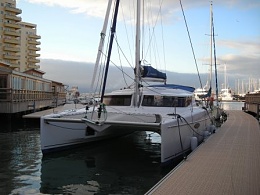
[{"x": 126, "y": 165}]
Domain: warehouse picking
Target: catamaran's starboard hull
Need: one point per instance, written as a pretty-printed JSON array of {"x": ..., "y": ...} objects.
[{"x": 176, "y": 140}]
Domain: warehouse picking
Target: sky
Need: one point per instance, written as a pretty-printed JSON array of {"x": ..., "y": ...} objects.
[{"x": 70, "y": 31}]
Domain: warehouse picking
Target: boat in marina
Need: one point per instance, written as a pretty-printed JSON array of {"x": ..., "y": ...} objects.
[
  {"x": 205, "y": 93},
  {"x": 226, "y": 93},
  {"x": 149, "y": 104},
  {"x": 201, "y": 93}
]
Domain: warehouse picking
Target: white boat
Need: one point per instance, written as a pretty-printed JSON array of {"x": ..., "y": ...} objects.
[
  {"x": 201, "y": 93},
  {"x": 226, "y": 93},
  {"x": 167, "y": 109}
]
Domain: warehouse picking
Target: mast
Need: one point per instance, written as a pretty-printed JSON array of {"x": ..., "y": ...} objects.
[
  {"x": 225, "y": 77},
  {"x": 113, "y": 31},
  {"x": 101, "y": 43},
  {"x": 215, "y": 62},
  {"x": 211, "y": 42},
  {"x": 137, "y": 55}
]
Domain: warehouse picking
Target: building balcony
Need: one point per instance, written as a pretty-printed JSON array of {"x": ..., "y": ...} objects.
[
  {"x": 12, "y": 41},
  {"x": 13, "y": 9},
  {"x": 11, "y": 57},
  {"x": 33, "y": 60},
  {"x": 13, "y": 17},
  {"x": 34, "y": 36},
  {"x": 12, "y": 33},
  {"x": 12, "y": 48},
  {"x": 33, "y": 42},
  {"x": 34, "y": 54},
  {"x": 33, "y": 66},
  {"x": 34, "y": 48},
  {"x": 14, "y": 65},
  {"x": 12, "y": 25}
]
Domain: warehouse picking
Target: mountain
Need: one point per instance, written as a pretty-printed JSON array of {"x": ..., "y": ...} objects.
[{"x": 79, "y": 74}]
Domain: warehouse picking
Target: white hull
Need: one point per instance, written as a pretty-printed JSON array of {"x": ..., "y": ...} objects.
[
  {"x": 71, "y": 130},
  {"x": 225, "y": 95},
  {"x": 175, "y": 138},
  {"x": 61, "y": 133}
]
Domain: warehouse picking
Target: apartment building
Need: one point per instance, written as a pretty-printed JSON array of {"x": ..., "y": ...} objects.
[
  {"x": 22, "y": 86},
  {"x": 18, "y": 40}
]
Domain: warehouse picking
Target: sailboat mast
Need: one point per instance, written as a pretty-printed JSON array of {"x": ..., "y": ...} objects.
[
  {"x": 101, "y": 43},
  {"x": 137, "y": 55},
  {"x": 113, "y": 31},
  {"x": 211, "y": 42},
  {"x": 225, "y": 78}
]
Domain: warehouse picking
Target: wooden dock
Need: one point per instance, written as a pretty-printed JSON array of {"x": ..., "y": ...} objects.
[{"x": 227, "y": 163}]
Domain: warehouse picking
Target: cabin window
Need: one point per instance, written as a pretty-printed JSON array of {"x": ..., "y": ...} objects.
[
  {"x": 166, "y": 101},
  {"x": 118, "y": 100}
]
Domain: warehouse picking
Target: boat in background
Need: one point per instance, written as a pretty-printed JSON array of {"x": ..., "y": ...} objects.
[
  {"x": 150, "y": 104},
  {"x": 204, "y": 93},
  {"x": 201, "y": 93},
  {"x": 226, "y": 93}
]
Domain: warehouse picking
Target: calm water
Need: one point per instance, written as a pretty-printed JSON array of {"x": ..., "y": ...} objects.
[{"x": 127, "y": 165}]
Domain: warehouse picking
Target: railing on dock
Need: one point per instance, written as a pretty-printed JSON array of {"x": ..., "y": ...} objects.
[{"x": 14, "y": 100}]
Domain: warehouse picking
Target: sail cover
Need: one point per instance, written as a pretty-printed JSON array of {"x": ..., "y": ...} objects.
[{"x": 149, "y": 71}]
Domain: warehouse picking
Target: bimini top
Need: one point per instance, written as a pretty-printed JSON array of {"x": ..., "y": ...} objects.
[{"x": 173, "y": 86}]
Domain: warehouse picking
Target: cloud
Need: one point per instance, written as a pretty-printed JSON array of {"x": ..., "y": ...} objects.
[
  {"x": 89, "y": 7},
  {"x": 97, "y": 8},
  {"x": 244, "y": 60}
]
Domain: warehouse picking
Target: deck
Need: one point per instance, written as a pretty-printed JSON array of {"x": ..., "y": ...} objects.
[
  {"x": 39, "y": 114},
  {"x": 227, "y": 163}
]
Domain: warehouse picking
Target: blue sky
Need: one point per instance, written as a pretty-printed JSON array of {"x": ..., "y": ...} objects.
[{"x": 70, "y": 31}]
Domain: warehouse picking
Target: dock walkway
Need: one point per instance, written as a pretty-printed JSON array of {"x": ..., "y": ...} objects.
[{"x": 227, "y": 163}]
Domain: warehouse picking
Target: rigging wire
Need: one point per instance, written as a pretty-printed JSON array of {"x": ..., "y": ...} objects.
[
  {"x": 191, "y": 43},
  {"x": 130, "y": 50},
  {"x": 119, "y": 67},
  {"x": 153, "y": 29},
  {"x": 123, "y": 53},
  {"x": 163, "y": 43},
  {"x": 118, "y": 51}
]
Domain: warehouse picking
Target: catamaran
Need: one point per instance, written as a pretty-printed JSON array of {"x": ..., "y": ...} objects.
[{"x": 150, "y": 104}]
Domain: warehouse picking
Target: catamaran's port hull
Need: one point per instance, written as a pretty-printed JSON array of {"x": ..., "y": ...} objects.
[{"x": 61, "y": 133}]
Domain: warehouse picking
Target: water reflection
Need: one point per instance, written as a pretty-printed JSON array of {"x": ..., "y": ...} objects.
[
  {"x": 127, "y": 166},
  {"x": 20, "y": 162},
  {"x": 232, "y": 105}
]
